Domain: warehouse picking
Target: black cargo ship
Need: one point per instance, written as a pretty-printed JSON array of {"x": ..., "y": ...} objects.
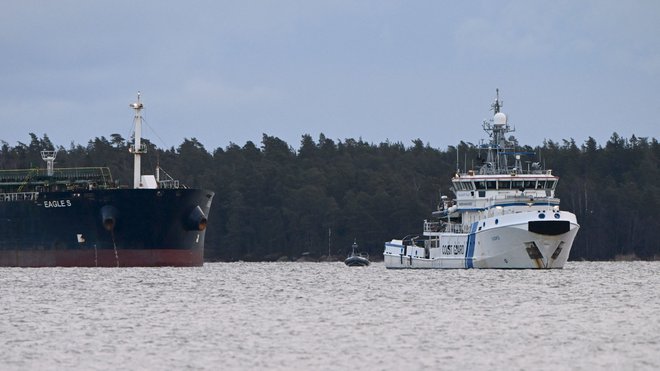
[{"x": 80, "y": 217}]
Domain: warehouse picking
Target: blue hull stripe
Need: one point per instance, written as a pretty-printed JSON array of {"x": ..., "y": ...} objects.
[{"x": 469, "y": 253}]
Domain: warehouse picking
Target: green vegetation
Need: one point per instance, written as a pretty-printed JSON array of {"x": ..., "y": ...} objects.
[{"x": 273, "y": 201}]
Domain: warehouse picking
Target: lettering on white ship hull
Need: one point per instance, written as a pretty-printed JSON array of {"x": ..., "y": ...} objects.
[{"x": 453, "y": 249}]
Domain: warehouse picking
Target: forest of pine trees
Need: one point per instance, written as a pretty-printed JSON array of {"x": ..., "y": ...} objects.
[{"x": 273, "y": 201}]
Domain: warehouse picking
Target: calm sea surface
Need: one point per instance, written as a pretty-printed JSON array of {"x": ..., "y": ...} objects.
[{"x": 316, "y": 316}]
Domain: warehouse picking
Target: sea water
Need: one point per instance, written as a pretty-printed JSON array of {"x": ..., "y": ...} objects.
[{"x": 318, "y": 316}]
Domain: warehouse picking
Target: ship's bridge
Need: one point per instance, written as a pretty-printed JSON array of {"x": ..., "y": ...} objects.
[
  {"x": 484, "y": 191},
  {"x": 495, "y": 182}
]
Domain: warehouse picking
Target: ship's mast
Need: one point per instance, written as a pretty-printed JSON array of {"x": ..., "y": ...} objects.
[
  {"x": 497, "y": 104},
  {"x": 497, "y": 127},
  {"x": 137, "y": 148}
]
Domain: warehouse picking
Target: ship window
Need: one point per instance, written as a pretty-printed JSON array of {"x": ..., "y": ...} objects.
[
  {"x": 504, "y": 184},
  {"x": 480, "y": 185},
  {"x": 550, "y": 184},
  {"x": 491, "y": 184},
  {"x": 540, "y": 184},
  {"x": 468, "y": 186},
  {"x": 516, "y": 184},
  {"x": 482, "y": 193},
  {"x": 529, "y": 184}
]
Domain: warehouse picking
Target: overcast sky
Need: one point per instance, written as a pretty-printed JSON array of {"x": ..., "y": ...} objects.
[{"x": 230, "y": 71}]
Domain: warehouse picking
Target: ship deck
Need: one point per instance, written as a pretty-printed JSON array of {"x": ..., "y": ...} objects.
[{"x": 26, "y": 179}]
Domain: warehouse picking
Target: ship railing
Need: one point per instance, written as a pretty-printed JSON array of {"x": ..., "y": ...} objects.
[
  {"x": 165, "y": 180},
  {"x": 433, "y": 226},
  {"x": 528, "y": 199},
  {"x": 508, "y": 171},
  {"x": 441, "y": 226},
  {"x": 19, "y": 196},
  {"x": 457, "y": 228},
  {"x": 169, "y": 184},
  {"x": 512, "y": 205},
  {"x": 100, "y": 175}
]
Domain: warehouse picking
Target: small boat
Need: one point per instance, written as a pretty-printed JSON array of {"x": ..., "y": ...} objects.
[{"x": 356, "y": 258}]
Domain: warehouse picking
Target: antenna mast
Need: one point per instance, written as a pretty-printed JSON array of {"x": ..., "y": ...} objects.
[
  {"x": 137, "y": 148},
  {"x": 497, "y": 104}
]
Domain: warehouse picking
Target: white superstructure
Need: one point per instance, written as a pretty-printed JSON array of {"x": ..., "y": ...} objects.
[{"x": 503, "y": 216}]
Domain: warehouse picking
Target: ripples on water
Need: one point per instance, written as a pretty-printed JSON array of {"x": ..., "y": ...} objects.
[{"x": 329, "y": 316}]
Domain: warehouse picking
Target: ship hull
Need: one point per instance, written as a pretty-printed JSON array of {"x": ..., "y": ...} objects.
[
  {"x": 357, "y": 261},
  {"x": 514, "y": 241},
  {"x": 105, "y": 228},
  {"x": 103, "y": 258}
]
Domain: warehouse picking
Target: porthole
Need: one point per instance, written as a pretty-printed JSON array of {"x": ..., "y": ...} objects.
[
  {"x": 496, "y": 221},
  {"x": 541, "y": 216},
  {"x": 557, "y": 216}
]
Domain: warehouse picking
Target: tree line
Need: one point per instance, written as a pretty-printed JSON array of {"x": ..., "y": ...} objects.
[{"x": 275, "y": 202}]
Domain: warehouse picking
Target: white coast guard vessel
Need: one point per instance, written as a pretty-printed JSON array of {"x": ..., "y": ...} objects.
[{"x": 503, "y": 216}]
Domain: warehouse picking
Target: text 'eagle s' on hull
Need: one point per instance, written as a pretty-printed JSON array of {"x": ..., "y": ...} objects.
[{"x": 81, "y": 217}]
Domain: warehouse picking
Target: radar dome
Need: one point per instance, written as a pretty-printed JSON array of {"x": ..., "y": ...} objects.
[{"x": 500, "y": 119}]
